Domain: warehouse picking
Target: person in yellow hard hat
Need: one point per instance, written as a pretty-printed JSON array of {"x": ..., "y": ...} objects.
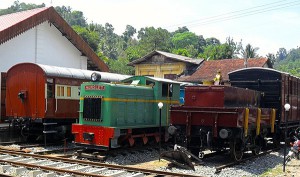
[{"x": 218, "y": 78}]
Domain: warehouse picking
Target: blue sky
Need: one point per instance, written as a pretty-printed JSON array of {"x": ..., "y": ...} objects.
[{"x": 273, "y": 23}]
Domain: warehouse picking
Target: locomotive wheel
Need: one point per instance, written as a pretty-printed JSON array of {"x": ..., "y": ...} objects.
[
  {"x": 257, "y": 143},
  {"x": 236, "y": 149}
]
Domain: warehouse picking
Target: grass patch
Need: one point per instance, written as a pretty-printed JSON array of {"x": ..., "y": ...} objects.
[{"x": 277, "y": 171}]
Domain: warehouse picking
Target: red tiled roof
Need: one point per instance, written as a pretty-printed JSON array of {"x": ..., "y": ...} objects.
[
  {"x": 14, "y": 24},
  {"x": 208, "y": 69}
]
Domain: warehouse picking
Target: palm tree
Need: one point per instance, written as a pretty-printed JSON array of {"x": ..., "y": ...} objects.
[{"x": 249, "y": 51}]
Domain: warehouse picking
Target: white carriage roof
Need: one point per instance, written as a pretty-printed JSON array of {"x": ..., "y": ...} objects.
[{"x": 56, "y": 71}]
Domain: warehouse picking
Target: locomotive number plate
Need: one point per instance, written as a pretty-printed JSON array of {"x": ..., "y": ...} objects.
[{"x": 94, "y": 87}]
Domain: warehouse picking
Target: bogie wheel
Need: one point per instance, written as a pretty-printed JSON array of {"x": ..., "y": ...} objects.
[
  {"x": 237, "y": 149},
  {"x": 257, "y": 145}
]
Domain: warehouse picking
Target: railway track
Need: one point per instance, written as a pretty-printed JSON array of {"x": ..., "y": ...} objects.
[
  {"x": 230, "y": 164},
  {"x": 24, "y": 164}
]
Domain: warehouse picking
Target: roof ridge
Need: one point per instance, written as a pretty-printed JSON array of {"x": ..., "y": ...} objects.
[{"x": 25, "y": 11}]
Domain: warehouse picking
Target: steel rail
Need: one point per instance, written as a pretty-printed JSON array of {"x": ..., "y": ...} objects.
[
  {"x": 53, "y": 169},
  {"x": 95, "y": 164},
  {"x": 219, "y": 168}
]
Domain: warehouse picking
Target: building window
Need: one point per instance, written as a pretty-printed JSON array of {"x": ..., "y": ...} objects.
[{"x": 170, "y": 76}]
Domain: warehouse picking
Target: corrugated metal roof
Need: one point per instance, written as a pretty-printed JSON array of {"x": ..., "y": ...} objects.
[
  {"x": 12, "y": 25},
  {"x": 180, "y": 57},
  {"x": 169, "y": 55}
]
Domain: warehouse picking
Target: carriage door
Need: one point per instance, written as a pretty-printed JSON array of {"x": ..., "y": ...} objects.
[{"x": 49, "y": 98}]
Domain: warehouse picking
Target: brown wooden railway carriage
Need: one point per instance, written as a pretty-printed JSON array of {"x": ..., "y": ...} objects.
[
  {"x": 240, "y": 117},
  {"x": 45, "y": 99},
  {"x": 278, "y": 88}
]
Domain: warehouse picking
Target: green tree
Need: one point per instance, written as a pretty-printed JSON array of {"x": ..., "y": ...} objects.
[
  {"x": 201, "y": 44},
  {"x": 249, "y": 51},
  {"x": 91, "y": 37},
  {"x": 281, "y": 54},
  {"x": 109, "y": 42},
  {"x": 127, "y": 36},
  {"x": 212, "y": 41},
  {"x": 182, "y": 40},
  {"x": 73, "y": 18},
  {"x": 182, "y": 52},
  {"x": 181, "y": 30},
  {"x": 120, "y": 66},
  {"x": 217, "y": 52},
  {"x": 18, "y": 7},
  {"x": 154, "y": 39},
  {"x": 271, "y": 57},
  {"x": 134, "y": 52}
]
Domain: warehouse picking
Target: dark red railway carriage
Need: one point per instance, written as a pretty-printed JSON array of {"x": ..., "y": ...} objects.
[
  {"x": 240, "y": 117},
  {"x": 217, "y": 117}
]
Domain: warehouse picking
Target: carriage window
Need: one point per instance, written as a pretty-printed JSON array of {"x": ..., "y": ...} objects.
[
  {"x": 167, "y": 90},
  {"x": 60, "y": 91},
  {"x": 49, "y": 88},
  {"x": 68, "y": 91}
]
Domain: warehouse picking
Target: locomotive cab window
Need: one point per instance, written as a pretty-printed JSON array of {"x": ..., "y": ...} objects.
[
  {"x": 167, "y": 90},
  {"x": 150, "y": 83}
]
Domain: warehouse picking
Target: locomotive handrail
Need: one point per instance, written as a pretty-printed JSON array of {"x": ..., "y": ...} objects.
[
  {"x": 46, "y": 101},
  {"x": 55, "y": 104}
]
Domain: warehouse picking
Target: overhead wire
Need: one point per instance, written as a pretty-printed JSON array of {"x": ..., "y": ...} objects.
[{"x": 236, "y": 14}]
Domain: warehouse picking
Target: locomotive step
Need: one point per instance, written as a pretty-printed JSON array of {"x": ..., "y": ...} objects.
[
  {"x": 50, "y": 131},
  {"x": 53, "y": 123}
]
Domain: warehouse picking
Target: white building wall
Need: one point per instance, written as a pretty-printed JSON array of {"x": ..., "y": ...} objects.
[{"x": 43, "y": 44}]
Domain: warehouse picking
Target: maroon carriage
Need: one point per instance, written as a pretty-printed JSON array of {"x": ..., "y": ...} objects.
[
  {"x": 218, "y": 117},
  {"x": 43, "y": 99}
]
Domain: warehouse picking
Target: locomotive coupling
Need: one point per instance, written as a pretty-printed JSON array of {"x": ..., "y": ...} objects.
[
  {"x": 224, "y": 133},
  {"x": 22, "y": 95},
  {"x": 172, "y": 130}
]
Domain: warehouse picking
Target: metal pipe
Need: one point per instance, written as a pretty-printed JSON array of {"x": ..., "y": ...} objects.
[
  {"x": 160, "y": 105},
  {"x": 287, "y": 108}
]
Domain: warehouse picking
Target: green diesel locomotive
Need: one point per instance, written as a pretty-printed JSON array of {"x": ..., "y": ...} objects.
[{"x": 117, "y": 114}]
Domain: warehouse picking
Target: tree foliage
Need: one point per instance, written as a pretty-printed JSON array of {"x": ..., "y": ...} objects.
[
  {"x": 117, "y": 50},
  {"x": 154, "y": 39},
  {"x": 18, "y": 7},
  {"x": 249, "y": 51}
]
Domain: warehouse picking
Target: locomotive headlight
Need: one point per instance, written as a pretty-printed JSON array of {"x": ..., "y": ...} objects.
[{"x": 95, "y": 77}]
